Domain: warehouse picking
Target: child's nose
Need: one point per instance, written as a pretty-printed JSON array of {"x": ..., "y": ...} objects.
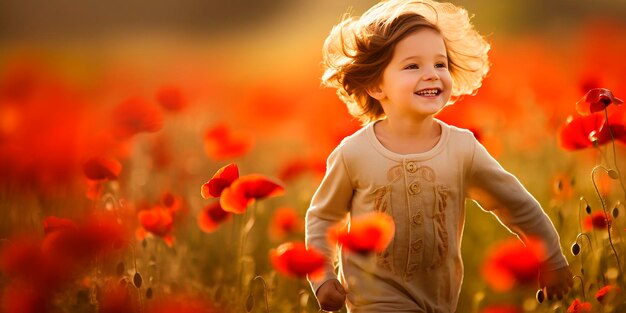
[{"x": 430, "y": 74}]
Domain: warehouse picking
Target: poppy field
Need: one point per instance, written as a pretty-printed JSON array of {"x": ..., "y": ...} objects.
[{"x": 173, "y": 175}]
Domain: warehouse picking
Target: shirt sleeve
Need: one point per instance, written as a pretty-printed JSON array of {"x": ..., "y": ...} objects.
[
  {"x": 330, "y": 204},
  {"x": 499, "y": 192}
]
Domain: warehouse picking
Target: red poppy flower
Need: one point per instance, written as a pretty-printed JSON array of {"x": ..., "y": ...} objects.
[
  {"x": 579, "y": 307},
  {"x": 135, "y": 116},
  {"x": 581, "y": 132},
  {"x": 367, "y": 233},
  {"x": 20, "y": 298},
  {"x": 295, "y": 260},
  {"x": 221, "y": 143},
  {"x": 501, "y": 308},
  {"x": 159, "y": 222},
  {"x": 221, "y": 180},
  {"x": 20, "y": 257},
  {"x": 171, "y": 98},
  {"x": 103, "y": 233},
  {"x": 617, "y": 131},
  {"x": 597, "y": 220},
  {"x": 608, "y": 294},
  {"x": 79, "y": 242},
  {"x": 285, "y": 222},
  {"x": 294, "y": 168},
  {"x": 173, "y": 203},
  {"x": 53, "y": 223},
  {"x": 94, "y": 189},
  {"x": 246, "y": 189},
  {"x": 101, "y": 168},
  {"x": 512, "y": 263},
  {"x": 595, "y": 101},
  {"x": 212, "y": 216}
]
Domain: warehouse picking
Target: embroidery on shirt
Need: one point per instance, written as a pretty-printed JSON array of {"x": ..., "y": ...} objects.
[
  {"x": 394, "y": 173},
  {"x": 382, "y": 204},
  {"x": 381, "y": 199},
  {"x": 426, "y": 173},
  {"x": 441, "y": 232}
]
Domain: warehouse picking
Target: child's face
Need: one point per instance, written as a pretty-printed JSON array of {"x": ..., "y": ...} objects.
[{"x": 417, "y": 81}]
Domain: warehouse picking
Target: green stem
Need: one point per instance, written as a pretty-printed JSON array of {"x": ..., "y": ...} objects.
[
  {"x": 619, "y": 173},
  {"x": 606, "y": 215},
  {"x": 265, "y": 291},
  {"x": 247, "y": 224},
  {"x": 582, "y": 258},
  {"x": 580, "y": 218},
  {"x": 582, "y": 286}
]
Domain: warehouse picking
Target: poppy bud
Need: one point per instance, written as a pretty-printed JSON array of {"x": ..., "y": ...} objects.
[
  {"x": 575, "y": 248},
  {"x": 149, "y": 293},
  {"x": 137, "y": 280},
  {"x": 540, "y": 296},
  {"x": 588, "y": 209},
  {"x": 615, "y": 212},
  {"x": 250, "y": 303},
  {"x": 613, "y": 174}
]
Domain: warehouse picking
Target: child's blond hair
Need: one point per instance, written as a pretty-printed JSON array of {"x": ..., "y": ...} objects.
[{"x": 357, "y": 50}]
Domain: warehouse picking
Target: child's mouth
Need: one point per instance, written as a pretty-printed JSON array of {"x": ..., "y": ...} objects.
[{"x": 430, "y": 92}]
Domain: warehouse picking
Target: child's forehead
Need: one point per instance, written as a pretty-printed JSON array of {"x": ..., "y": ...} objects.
[{"x": 422, "y": 42}]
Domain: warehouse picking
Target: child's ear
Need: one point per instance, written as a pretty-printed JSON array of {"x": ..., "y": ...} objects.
[{"x": 376, "y": 92}]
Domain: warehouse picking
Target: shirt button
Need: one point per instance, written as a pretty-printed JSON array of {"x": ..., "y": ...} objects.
[
  {"x": 418, "y": 218},
  {"x": 411, "y": 167},
  {"x": 414, "y": 188}
]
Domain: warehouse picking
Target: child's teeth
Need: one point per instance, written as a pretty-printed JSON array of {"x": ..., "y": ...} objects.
[{"x": 428, "y": 92}]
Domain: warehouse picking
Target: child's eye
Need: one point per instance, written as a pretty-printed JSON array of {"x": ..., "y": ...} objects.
[
  {"x": 441, "y": 65},
  {"x": 411, "y": 67}
]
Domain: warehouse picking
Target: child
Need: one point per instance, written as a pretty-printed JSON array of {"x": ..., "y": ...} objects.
[{"x": 396, "y": 67}]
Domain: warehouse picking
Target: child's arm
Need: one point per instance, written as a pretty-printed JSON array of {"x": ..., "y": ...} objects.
[
  {"x": 330, "y": 205},
  {"x": 502, "y": 194}
]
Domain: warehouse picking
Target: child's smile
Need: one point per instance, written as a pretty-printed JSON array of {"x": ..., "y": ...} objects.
[{"x": 429, "y": 92}]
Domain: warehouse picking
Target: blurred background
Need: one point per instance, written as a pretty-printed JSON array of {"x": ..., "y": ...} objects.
[{"x": 174, "y": 90}]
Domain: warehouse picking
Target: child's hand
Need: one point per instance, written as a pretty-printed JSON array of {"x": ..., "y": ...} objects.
[
  {"x": 556, "y": 283},
  {"x": 331, "y": 295}
]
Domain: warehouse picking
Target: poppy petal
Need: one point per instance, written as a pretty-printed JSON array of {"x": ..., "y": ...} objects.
[
  {"x": 257, "y": 186},
  {"x": 581, "y": 132},
  {"x": 596, "y": 100},
  {"x": 223, "y": 178},
  {"x": 100, "y": 168},
  {"x": 293, "y": 259},
  {"x": 157, "y": 221},
  {"x": 367, "y": 233},
  {"x": 510, "y": 263},
  {"x": 285, "y": 221},
  {"x": 234, "y": 201},
  {"x": 212, "y": 216},
  {"x": 243, "y": 191},
  {"x": 221, "y": 143},
  {"x": 171, "y": 98},
  {"x": 53, "y": 223},
  {"x": 134, "y": 116}
]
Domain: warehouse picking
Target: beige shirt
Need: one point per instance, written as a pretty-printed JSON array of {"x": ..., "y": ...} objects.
[{"x": 421, "y": 270}]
